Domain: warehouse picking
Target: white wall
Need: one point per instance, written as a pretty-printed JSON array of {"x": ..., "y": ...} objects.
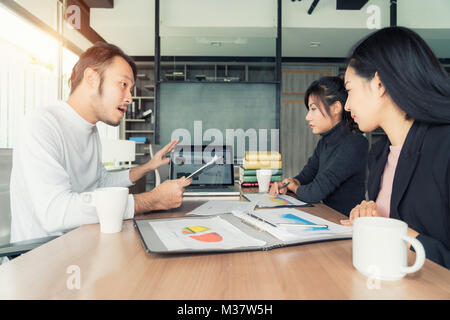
[
  {"x": 131, "y": 26},
  {"x": 219, "y": 13},
  {"x": 47, "y": 12},
  {"x": 325, "y": 15},
  {"x": 424, "y": 14}
]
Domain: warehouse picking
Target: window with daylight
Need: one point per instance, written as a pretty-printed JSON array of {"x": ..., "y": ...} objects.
[{"x": 29, "y": 74}]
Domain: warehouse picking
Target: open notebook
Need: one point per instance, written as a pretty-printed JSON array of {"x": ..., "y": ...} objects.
[{"x": 237, "y": 231}]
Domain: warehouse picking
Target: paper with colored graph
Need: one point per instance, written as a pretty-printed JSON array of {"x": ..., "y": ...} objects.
[
  {"x": 290, "y": 217},
  {"x": 198, "y": 234},
  {"x": 265, "y": 200},
  {"x": 214, "y": 207},
  {"x": 278, "y": 218}
]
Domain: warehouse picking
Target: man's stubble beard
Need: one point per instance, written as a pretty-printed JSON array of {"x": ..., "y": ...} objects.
[{"x": 100, "y": 108}]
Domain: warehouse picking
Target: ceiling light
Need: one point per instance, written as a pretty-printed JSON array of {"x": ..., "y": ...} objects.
[{"x": 314, "y": 44}]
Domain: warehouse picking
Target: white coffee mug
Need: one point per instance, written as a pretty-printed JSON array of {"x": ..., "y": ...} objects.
[
  {"x": 263, "y": 176},
  {"x": 380, "y": 248},
  {"x": 110, "y": 203}
]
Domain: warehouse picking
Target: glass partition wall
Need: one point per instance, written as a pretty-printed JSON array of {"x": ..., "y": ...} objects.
[{"x": 218, "y": 81}]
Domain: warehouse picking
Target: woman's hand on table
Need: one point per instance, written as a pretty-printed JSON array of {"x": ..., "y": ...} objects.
[{"x": 364, "y": 209}]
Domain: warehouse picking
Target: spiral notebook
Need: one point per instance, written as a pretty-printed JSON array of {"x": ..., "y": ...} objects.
[{"x": 237, "y": 231}]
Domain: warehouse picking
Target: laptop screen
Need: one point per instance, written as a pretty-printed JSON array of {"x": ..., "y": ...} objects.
[{"x": 187, "y": 159}]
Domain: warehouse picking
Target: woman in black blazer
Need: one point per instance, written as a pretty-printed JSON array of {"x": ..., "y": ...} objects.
[{"x": 395, "y": 82}]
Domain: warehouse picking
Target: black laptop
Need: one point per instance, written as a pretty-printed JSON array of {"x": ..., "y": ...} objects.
[{"x": 217, "y": 180}]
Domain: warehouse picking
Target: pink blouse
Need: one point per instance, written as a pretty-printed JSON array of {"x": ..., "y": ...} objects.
[{"x": 384, "y": 196}]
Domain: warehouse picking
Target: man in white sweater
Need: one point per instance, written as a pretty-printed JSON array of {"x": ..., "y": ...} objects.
[{"x": 59, "y": 153}]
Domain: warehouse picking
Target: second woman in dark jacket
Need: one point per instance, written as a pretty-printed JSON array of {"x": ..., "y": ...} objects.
[{"x": 335, "y": 173}]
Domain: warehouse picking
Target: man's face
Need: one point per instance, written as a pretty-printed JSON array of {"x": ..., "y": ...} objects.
[{"x": 114, "y": 92}]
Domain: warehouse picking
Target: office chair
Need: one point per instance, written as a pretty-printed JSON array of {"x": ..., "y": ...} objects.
[
  {"x": 116, "y": 153},
  {"x": 8, "y": 249},
  {"x": 157, "y": 176}
]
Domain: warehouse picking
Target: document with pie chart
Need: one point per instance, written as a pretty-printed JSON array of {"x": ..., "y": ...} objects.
[{"x": 200, "y": 234}]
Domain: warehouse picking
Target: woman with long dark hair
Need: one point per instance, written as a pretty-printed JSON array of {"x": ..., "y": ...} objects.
[
  {"x": 335, "y": 173},
  {"x": 394, "y": 81}
]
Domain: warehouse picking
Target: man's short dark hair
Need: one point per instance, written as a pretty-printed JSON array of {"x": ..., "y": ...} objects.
[{"x": 98, "y": 57}]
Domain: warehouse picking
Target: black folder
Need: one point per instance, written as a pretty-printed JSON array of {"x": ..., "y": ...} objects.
[{"x": 153, "y": 244}]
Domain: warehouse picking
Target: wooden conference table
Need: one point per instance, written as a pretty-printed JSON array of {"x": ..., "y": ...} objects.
[{"x": 115, "y": 266}]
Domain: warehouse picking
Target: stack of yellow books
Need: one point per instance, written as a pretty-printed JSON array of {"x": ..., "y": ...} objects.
[
  {"x": 262, "y": 160},
  {"x": 255, "y": 160}
]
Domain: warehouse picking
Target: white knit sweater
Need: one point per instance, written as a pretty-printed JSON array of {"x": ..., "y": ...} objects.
[{"x": 57, "y": 157}]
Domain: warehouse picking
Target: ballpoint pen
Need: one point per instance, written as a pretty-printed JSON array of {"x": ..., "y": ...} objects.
[
  {"x": 261, "y": 219},
  {"x": 283, "y": 186}
]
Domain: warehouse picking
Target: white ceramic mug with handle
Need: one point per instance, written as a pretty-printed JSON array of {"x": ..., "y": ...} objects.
[
  {"x": 110, "y": 203},
  {"x": 380, "y": 248}
]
